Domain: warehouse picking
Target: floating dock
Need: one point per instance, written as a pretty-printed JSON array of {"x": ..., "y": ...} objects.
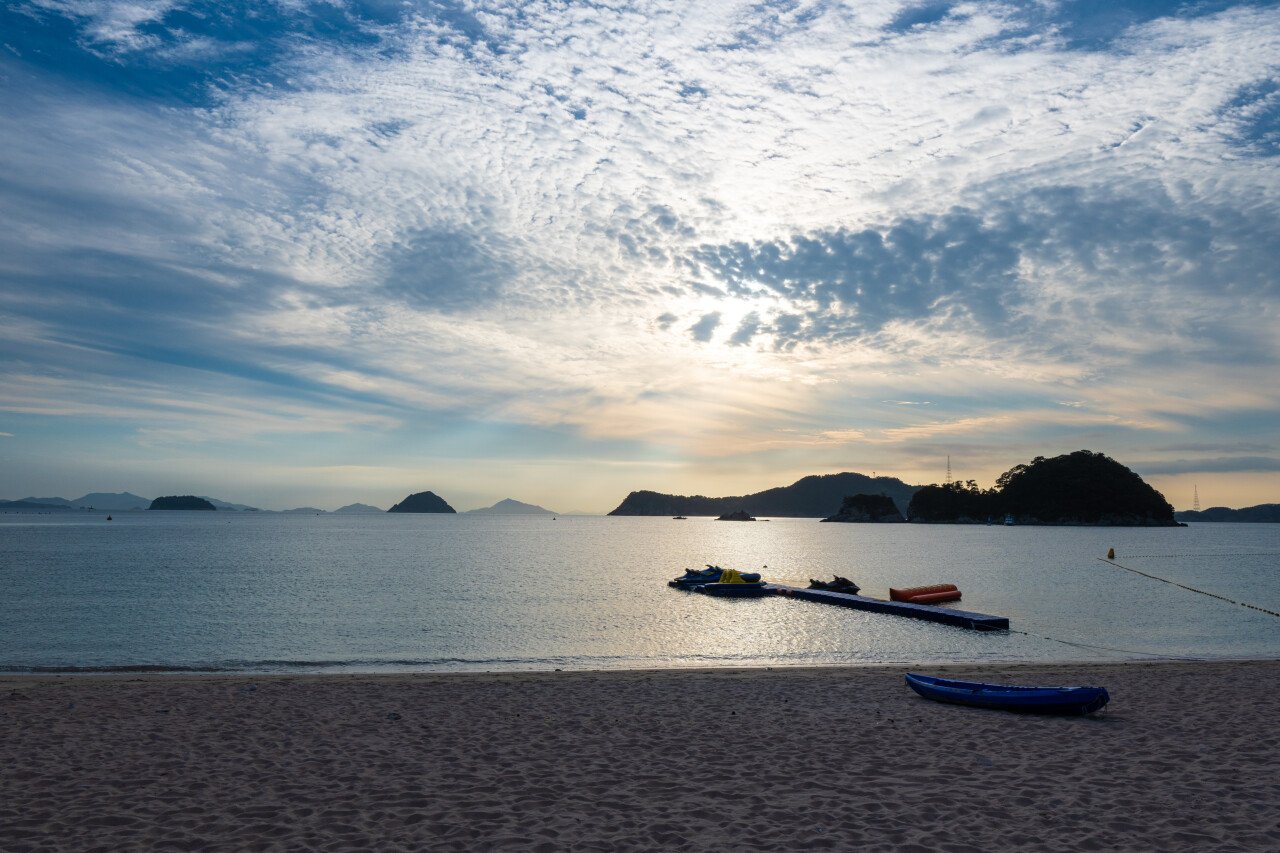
[{"x": 945, "y": 615}]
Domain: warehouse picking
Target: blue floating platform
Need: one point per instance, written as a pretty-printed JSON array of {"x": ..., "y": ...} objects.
[{"x": 927, "y": 612}]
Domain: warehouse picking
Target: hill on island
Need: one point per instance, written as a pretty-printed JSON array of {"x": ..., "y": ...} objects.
[
  {"x": 510, "y": 506},
  {"x": 356, "y": 508},
  {"x": 28, "y": 505},
  {"x": 1262, "y": 513},
  {"x": 815, "y": 496},
  {"x": 422, "y": 502},
  {"x": 186, "y": 502},
  {"x": 114, "y": 501},
  {"x": 228, "y": 506},
  {"x": 1083, "y": 488}
]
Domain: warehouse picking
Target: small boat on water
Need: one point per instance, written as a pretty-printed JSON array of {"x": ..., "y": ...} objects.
[
  {"x": 714, "y": 580},
  {"x": 1010, "y": 697}
]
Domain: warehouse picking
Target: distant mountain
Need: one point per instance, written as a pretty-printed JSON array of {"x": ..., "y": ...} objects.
[
  {"x": 422, "y": 502},
  {"x": 357, "y": 508},
  {"x": 1262, "y": 513},
  {"x": 303, "y": 510},
  {"x": 182, "y": 502},
  {"x": 509, "y": 506},
  {"x": 115, "y": 501},
  {"x": 27, "y": 505},
  {"x": 809, "y": 497},
  {"x": 224, "y": 505}
]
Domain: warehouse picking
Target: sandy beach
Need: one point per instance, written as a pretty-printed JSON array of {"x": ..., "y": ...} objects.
[{"x": 1186, "y": 757}]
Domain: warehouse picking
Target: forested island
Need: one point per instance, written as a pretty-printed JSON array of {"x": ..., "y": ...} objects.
[
  {"x": 183, "y": 502},
  {"x": 808, "y": 497},
  {"x": 867, "y": 509},
  {"x": 1084, "y": 488}
]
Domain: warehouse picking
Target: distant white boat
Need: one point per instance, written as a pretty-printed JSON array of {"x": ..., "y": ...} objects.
[{"x": 1008, "y": 520}]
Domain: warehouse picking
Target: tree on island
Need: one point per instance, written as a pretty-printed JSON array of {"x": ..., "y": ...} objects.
[
  {"x": 868, "y": 509},
  {"x": 956, "y": 503},
  {"x": 1076, "y": 488}
]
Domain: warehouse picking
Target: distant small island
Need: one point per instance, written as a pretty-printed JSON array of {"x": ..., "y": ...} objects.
[
  {"x": 1080, "y": 488},
  {"x": 1260, "y": 514},
  {"x": 357, "y": 508},
  {"x": 183, "y": 502},
  {"x": 422, "y": 502},
  {"x": 867, "y": 509},
  {"x": 740, "y": 515},
  {"x": 510, "y": 506}
]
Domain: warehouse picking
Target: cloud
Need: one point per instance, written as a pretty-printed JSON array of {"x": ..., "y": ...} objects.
[
  {"x": 705, "y": 327},
  {"x": 1217, "y": 465},
  {"x": 448, "y": 270},
  {"x": 747, "y": 329},
  {"x": 1253, "y": 116},
  {"x": 1032, "y": 268}
]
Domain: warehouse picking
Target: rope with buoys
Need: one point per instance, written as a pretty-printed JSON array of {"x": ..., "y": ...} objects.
[
  {"x": 1111, "y": 555},
  {"x": 1110, "y": 559}
]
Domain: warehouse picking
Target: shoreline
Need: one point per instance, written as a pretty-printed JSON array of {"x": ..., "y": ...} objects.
[
  {"x": 713, "y": 758},
  {"x": 175, "y": 675},
  {"x": 146, "y": 671}
]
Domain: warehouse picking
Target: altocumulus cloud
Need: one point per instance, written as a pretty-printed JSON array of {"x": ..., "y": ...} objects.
[
  {"x": 369, "y": 214},
  {"x": 1016, "y": 267}
]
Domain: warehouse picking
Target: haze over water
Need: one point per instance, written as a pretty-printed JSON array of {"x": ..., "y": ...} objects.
[{"x": 270, "y": 592}]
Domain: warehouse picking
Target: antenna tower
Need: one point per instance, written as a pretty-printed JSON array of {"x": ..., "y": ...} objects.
[
  {"x": 948, "y": 468},
  {"x": 1195, "y": 502}
]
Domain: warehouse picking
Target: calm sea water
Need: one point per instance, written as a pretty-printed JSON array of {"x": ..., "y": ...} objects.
[{"x": 436, "y": 592}]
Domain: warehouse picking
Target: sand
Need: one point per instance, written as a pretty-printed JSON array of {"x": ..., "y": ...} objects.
[{"x": 1186, "y": 757}]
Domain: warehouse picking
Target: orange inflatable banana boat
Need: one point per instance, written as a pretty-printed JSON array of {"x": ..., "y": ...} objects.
[{"x": 926, "y": 594}]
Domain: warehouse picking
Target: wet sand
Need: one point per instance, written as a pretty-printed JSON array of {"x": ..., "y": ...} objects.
[{"x": 1186, "y": 757}]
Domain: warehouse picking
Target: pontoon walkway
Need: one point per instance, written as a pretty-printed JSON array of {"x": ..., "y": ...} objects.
[{"x": 945, "y": 615}]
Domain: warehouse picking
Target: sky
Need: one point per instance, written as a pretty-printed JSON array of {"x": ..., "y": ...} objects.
[{"x": 301, "y": 253}]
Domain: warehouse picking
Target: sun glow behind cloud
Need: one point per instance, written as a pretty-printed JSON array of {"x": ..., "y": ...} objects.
[{"x": 679, "y": 234}]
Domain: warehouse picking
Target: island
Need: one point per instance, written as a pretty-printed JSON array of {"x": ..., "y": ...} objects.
[
  {"x": 1080, "y": 488},
  {"x": 740, "y": 515},
  {"x": 867, "y": 509},
  {"x": 182, "y": 502},
  {"x": 422, "y": 502},
  {"x": 809, "y": 497},
  {"x": 510, "y": 506},
  {"x": 33, "y": 506},
  {"x": 356, "y": 508}
]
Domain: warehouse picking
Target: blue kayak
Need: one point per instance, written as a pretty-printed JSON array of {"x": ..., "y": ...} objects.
[{"x": 1009, "y": 697}]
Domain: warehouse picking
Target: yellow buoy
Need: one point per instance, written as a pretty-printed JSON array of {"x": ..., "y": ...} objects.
[{"x": 1111, "y": 553}]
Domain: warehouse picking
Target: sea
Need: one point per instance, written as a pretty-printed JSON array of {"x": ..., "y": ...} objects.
[{"x": 256, "y": 592}]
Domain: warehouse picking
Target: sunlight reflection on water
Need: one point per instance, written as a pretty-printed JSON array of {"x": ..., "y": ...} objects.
[{"x": 470, "y": 592}]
